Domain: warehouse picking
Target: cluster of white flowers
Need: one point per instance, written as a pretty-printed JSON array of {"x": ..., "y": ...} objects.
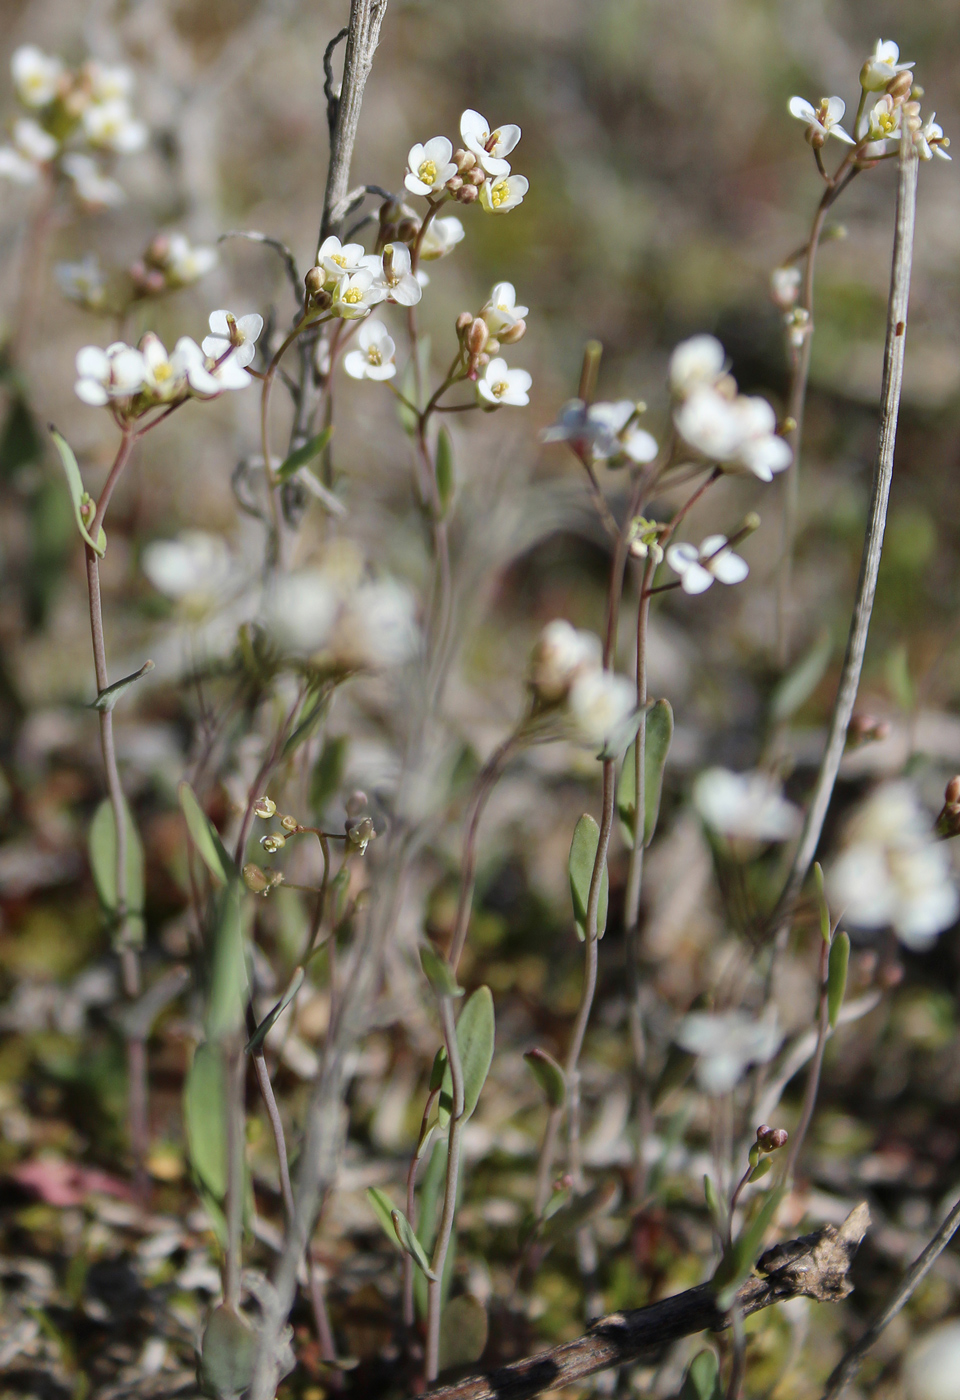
[
  {"x": 343, "y": 624},
  {"x": 170, "y": 261},
  {"x": 566, "y": 671},
  {"x": 130, "y": 381},
  {"x": 885, "y": 121},
  {"x": 604, "y": 431},
  {"x": 75, "y": 114},
  {"x": 745, "y": 806},
  {"x": 725, "y": 1044},
  {"x": 892, "y": 871},
  {"x": 736, "y": 431},
  {"x": 478, "y": 170}
]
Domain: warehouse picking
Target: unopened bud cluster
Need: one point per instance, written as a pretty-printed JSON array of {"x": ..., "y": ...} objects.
[
  {"x": 567, "y": 676},
  {"x": 948, "y": 822}
]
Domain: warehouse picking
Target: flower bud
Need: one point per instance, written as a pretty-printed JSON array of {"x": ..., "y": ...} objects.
[
  {"x": 255, "y": 879},
  {"x": 360, "y": 833},
  {"x": 273, "y": 843},
  {"x": 770, "y": 1139},
  {"x": 952, "y": 790},
  {"x": 407, "y": 230},
  {"x": 948, "y": 822},
  {"x": 464, "y": 160},
  {"x": 356, "y": 803},
  {"x": 865, "y": 729},
  {"x": 264, "y": 807},
  {"x": 492, "y": 346},
  {"x": 513, "y": 333},
  {"x": 158, "y": 251},
  {"x": 477, "y": 337},
  {"x": 314, "y": 281},
  {"x": 464, "y": 322},
  {"x": 468, "y": 194},
  {"x": 476, "y": 176},
  {"x": 899, "y": 86},
  {"x": 785, "y": 286},
  {"x": 751, "y": 522},
  {"x": 454, "y": 183},
  {"x": 289, "y": 823},
  {"x": 816, "y": 136}
]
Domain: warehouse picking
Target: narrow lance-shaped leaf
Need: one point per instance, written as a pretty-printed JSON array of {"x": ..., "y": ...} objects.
[
  {"x": 302, "y": 455},
  {"x": 383, "y": 1208},
  {"x": 108, "y": 698},
  {"x": 548, "y": 1075},
  {"x": 475, "y": 1040},
  {"x": 410, "y": 1244},
  {"x": 702, "y": 1381},
  {"x": 77, "y": 493},
  {"x": 717, "y": 1214},
  {"x": 204, "y": 836},
  {"x": 738, "y": 1260},
  {"x": 446, "y": 481},
  {"x": 228, "y": 983},
  {"x": 798, "y": 684},
  {"x": 271, "y": 1018},
  {"x": 204, "y": 1094},
  {"x": 439, "y": 974},
  {"x": 103, "y": 862},
  {"x": 822, "y": 902},
  {"x": 583, "y": 855},
  {"x": 658, "y": 736},
  {"x": 837, "y": 976}
]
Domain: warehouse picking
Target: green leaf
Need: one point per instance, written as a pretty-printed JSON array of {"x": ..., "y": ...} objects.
[
  {"x": 581, "y": 1209},
  {"x": 77, "y": 492},
  {"x": 702, "y": 1381},
  {"x": 438, "y": 1068},
  {"x": 796, "y": 687},
  {"x": 717, "y": 1213},
  {"x": 103, "y": 863},
  {"x": 205, "y": 837},
  {"x": 739, "y": 1259},
  {"x": 310, "y": 717},
  {"x": 762, "y": 1169},
  {"x": 204, "y": 1096},
  {"x": 410, "y": 1244},
  {"x": 822, "y": 901},
  {"x": 463, "y": 1332},
  {"x": 837, "y": 976},
  {"x": 303, "y": 455},
  {"x": 227, "y": 1353},
  {"x": 271, "y": 1018},
  {"x": 548, "y": 1075},
  {"x": 383, "y": 1208},
  {"x": 228, "y": 982},
  {"x": 446, "y": 480},
  {"x": 108, "y": 698},
  {"x": 658, "y": 736},
  {"x": 328, "y": 773},
  {"x": 475, "y": 1040},
  {"x": 583, "y": 855},
  {"x": 439, "y": 974}
]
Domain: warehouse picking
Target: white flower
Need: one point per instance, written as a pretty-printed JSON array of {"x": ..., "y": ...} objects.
[
  {"x": 706, "y": 421},
  {"x": 301, "y": 610},
  {"x": 697, "y": 361},
  {"x": 240, "y": 332},
  {"x": 112, "y": 126},
  {"x": 785, "y": 286},
  {"x": 377, "y": 628},
  {"x": 338, "y": 259},
  {"x": 36, "y": 75},
  {"x": 502, "y": 385},
  {"x": 167, "y": 376},
  {"x": 699, "y": 567},
  {"x": 892, "y": 871},
  {"x": 194, "y": 564},
  {"x": 501, "y": 311},
  {"x": 83, "y": 282},
  {"x": 109, "y": 82},
  {"x": 745, "y": 806},
  {"x": 114, "y": 373},
  {"x": 393, "y": 274},
  {"x": 441, "y": 237},
  {"x": 228, "y": 374},
  {"x": 821, "y": 121},
  {"x": 99, "y": 191},
  {"x": 184, "y": 263},
  {"x": 739, "y": 432},
  {"x": 429, "y": 166},
  {"x": 32, "y": 148},
  {"x": 883, "y": 120},
  {"x": 618, "y": 433},
  {"x": 500, "y": 195},
  {"x": 928, "y": 140},
  {"x": 374, "y": 357},
  {"x": 931, "y": 1368},
  {"x": 601, "y": 707},
  {"x": 726, "y": 1043},
  {"x": 488, "y": 146},
  {"x": 759, "y": 449},
  {"x": 356, "y": 294},
  {"x": 560, "y": 655},
  {"x": 883, "y": 65}
]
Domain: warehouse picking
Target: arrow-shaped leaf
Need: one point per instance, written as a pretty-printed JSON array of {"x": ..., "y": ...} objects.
[
  {"x": 77, "y": 492},
  {"x": 109, "y": 697}
]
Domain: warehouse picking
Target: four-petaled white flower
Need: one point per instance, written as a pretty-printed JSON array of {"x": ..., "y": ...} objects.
[
  {"x": 737, "y": 431},
  {"x": 502, "y": 385},
  {"x": 883, "y": 120},
  {"x": 167, "y": 376},
  {"x": 822, "y": 121},
  {"x": 32, "y": 149},
  {"x": 503, "y": 193},
  {"x": 226, "y": 374},
  {"x": 184, "y": 263},
  {"x": 112, "y": 126},
  {"x": 560, "y": 655},
  {"x": 601, "y": 707},
  {"x": 394, "y": 275},
  {"x": 699, "y": 567},
  {"x": 892, "y": 871},
  {"x": 36, "y": 75},
  {"x": 488, "y": 146},
  {"x": 726, "y": 1043},
  {"x": 619, "y": 433},
  {"x": 883, "y": 65},
  {"x": 429, "y": 166},
  {"x": 339, "y": 259},
  {"x": 355, "y": 294},
  {"x": 501, "y": 311},
  {"x": 745, "y": 806},
  {"x": 759, "y": 448},
  {"x": 441, "y": 237},
  {"x": 374, "y": 357},
  {"x": 103, "y": 375},
  {"x": 929, "y": 140},
  {"x": 697, "y": 361},
  {"x": 91, "y": 187},
  {"x": 237, "y": 332}
]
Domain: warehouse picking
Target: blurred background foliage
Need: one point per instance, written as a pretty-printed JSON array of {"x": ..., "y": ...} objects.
[{"x": 667, "y": 180}]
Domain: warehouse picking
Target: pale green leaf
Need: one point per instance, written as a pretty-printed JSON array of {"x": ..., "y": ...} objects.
[
  {"x": 658, "y": 736},
  {"x": 463, "y": 1332},
  {"x": 108, "y": 698},
  {"x": 446, "y": 480},
  {"x": 383, "y": 1208},
  {"x": 548, "y": 1075},
  {"x": 475, "y": 1040},
  {"x": 439, "y": 974},
  {"x": 303, "y": 455},
  {"x": 204, "y": 1116},
  {"x": 271, "y": 1018},
  {"x": 837, "y": 976},
  {"x": 103, "y": 862},
  {"x": 204, "y": 836},
  {"x": 702, "y": 1381},
  {"x": 228, "y": 983},
  {"x": 583, "y": 855},
  {"x": 227, "y": 1353},
  {"x": 77, "y": 493},
  {"x": 410, "y": 1244}
]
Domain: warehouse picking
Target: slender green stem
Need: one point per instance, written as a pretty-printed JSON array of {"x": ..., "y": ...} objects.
[{"x": 448, "y": 1214}]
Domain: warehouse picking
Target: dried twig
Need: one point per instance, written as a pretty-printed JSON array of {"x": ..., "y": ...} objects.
[
  {"x": 815, "y": 1266},
  {"x": 363, "y": 33}
]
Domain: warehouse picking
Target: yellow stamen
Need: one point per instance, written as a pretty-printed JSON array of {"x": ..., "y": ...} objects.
[
  {"x": 352, "y": 295},
  {"x": 427, "y": 172},
  {"x": 373, "y": 356}
]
